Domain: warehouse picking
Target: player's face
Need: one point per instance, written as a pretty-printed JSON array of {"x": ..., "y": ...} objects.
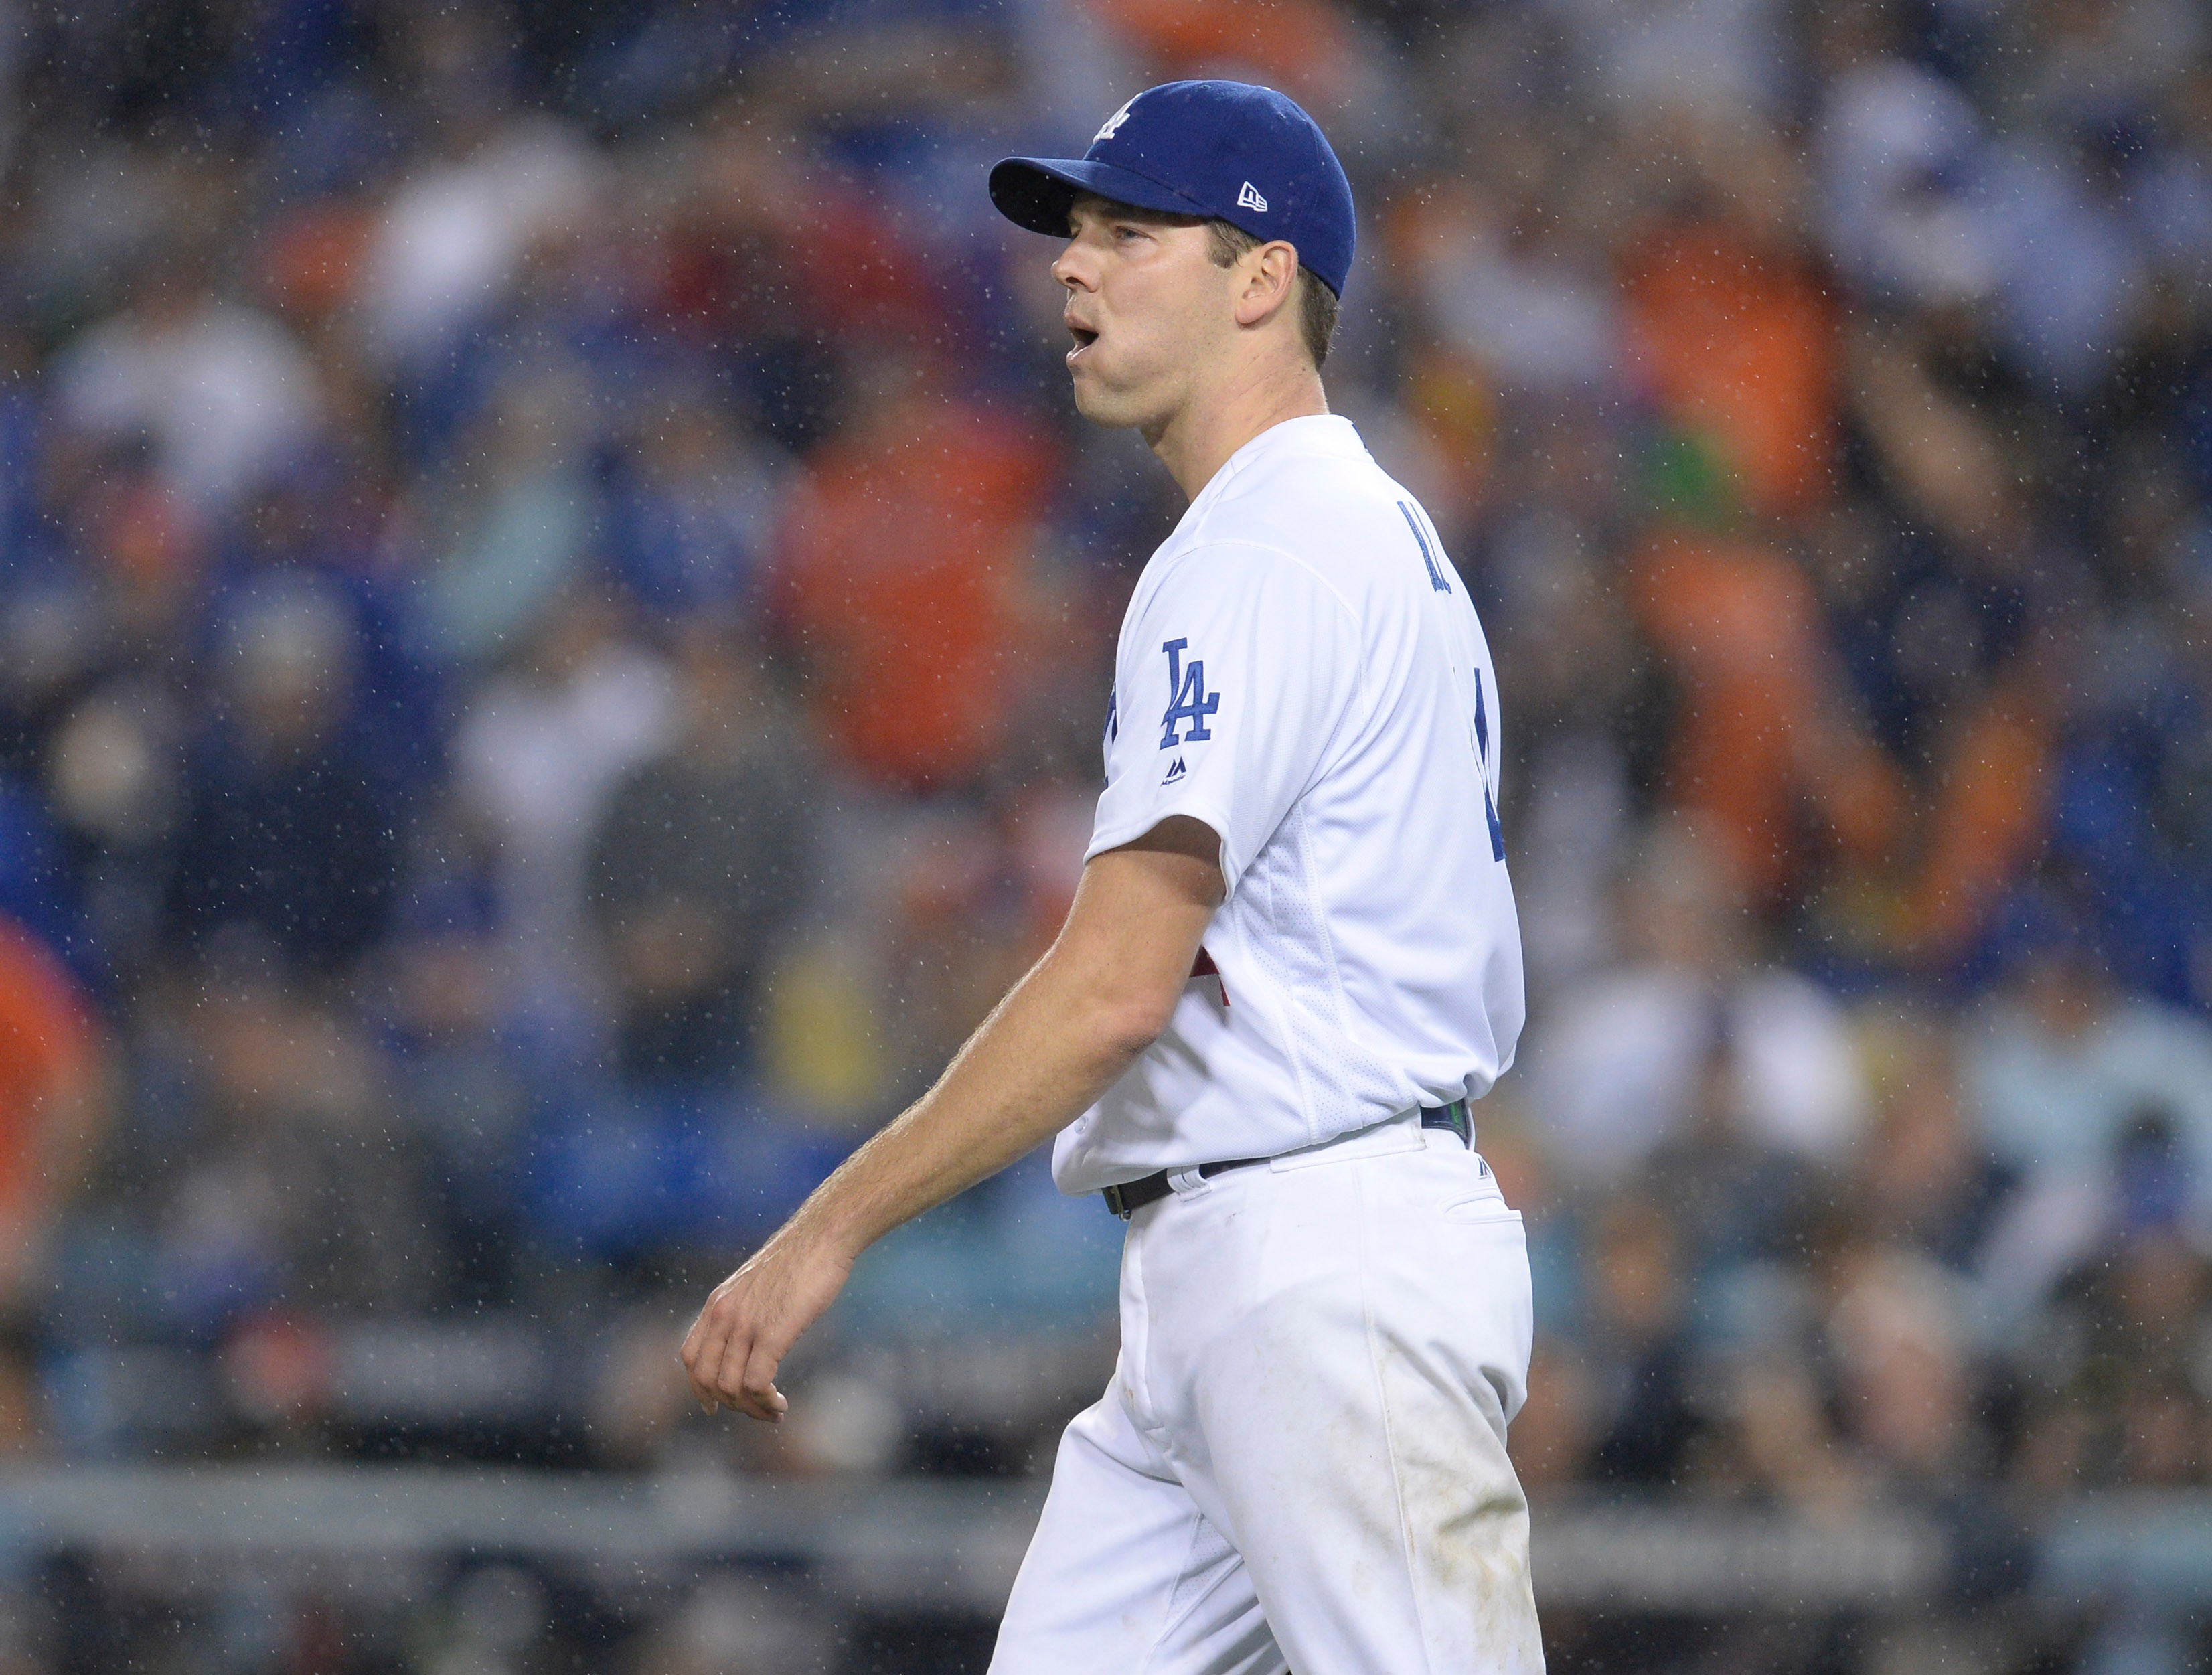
[{"x": 1147, "y": 308}]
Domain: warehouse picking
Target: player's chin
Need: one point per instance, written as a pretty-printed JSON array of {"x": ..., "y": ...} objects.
[
  {"x": 1094, "y": 403},
  {"x": 1101, "y": 402}
]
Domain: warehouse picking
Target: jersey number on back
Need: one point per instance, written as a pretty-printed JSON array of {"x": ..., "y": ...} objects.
[
  {"x": 1482, "y": 767},
  {"x": 1436, "y": 571},
  {"x": 1481, "y": 714}
]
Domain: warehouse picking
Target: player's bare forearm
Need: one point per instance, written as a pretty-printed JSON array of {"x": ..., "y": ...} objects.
[
  {"x": 1050, "y": 1048},
  {"x": 1061, "y": 1037}
]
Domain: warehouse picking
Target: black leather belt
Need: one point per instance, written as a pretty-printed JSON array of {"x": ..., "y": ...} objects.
[{"x": 1131, "y": 1196}]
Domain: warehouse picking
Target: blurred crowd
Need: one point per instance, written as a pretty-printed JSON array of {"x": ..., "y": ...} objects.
[{"x": 554, "y": 614}]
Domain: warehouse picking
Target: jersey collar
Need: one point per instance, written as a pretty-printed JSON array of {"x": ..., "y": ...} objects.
[{"x": 1316, "y": 434}]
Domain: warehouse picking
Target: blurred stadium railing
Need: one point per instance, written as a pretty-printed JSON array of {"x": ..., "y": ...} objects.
[{"x": 955, "y": 1545}]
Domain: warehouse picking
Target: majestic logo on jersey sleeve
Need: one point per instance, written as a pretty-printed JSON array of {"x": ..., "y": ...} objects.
[
  {"x": 1188, "y": 701},
  {"x": 1248, "y": 198}
]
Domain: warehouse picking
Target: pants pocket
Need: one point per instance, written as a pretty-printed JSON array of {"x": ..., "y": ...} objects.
[{"x": 1488, "y": 1206}]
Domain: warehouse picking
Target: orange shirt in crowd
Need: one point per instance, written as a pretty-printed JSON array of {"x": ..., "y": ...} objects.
[
  {"x": 1759, "y": 739},
  {"x": 1301, "y": 46},
  {"x": 901, "y": 578},
  {"x": 1988, "y": 821},
  {"x": 1740, "y": 347},
  {"x": 49, "y": 1067}
]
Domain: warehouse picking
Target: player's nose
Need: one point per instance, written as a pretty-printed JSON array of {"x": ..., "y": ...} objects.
[{"x": 1072, "y": 270}]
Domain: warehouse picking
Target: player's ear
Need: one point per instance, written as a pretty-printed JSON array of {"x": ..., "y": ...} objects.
[{"x": 1268, "y": 275}]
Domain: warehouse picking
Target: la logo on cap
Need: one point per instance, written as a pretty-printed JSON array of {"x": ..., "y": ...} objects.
[
  {"x": 1113, "y": 122},
  {"x": 1248, "y": 196}
]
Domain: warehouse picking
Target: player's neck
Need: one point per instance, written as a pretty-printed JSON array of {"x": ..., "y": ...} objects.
[{"x": 1197, "y": 439}]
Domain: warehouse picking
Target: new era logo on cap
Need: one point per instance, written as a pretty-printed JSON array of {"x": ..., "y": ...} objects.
[{"x": 1198, "y": 148}]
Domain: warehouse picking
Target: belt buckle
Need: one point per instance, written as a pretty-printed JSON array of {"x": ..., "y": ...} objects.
[{"x": 1113, "y": 1197}]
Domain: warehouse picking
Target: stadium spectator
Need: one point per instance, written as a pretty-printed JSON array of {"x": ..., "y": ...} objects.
[
  {"x": 701, "y": 859},
  {"x": 287, "y": 829},
  {"x": 541, "y": 750},
  {"x": 2062, "y": 1066},
  {"x": 903, "y": 576},
  {"x": 1629, "y": 1053},
  {"x": 220, "y": 392},
  {"x": 54, "y": 1089}
]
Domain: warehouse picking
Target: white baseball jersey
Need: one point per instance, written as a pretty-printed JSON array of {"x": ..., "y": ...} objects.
[{"x": 1301, "y": 669}]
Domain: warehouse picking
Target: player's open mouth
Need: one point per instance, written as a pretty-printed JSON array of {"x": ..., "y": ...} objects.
[{"x": 1082, "y": 341}]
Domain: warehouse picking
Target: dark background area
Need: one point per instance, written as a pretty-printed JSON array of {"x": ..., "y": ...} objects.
[{"x": 554, "y": 619}]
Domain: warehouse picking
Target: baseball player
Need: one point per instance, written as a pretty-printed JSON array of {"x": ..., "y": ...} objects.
[{"x": 1291, "y": 962}]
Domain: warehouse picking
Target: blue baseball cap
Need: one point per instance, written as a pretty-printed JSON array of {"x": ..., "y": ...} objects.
[{"x": 1218, "y": 149}]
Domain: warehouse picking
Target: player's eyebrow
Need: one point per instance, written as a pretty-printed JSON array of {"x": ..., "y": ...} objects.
[{"x": 1108, "y": 209}]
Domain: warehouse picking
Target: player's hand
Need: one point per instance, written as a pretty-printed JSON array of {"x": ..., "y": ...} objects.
[{"x": 754, "y": 1317}]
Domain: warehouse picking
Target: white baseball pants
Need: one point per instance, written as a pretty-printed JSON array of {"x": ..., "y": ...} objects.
[{"x": 1300, "y": 1464}]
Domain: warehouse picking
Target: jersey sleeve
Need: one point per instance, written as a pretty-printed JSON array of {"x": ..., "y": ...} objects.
[{"x": 1230, "y": 682}]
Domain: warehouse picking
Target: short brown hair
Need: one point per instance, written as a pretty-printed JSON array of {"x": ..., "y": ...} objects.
[{"x": 1317, "y": 302}]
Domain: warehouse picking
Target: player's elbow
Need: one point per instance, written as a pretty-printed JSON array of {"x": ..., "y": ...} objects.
[
  {"x": 1116, "y": 1012},
  {"x": 1128, "y": 1022}
]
